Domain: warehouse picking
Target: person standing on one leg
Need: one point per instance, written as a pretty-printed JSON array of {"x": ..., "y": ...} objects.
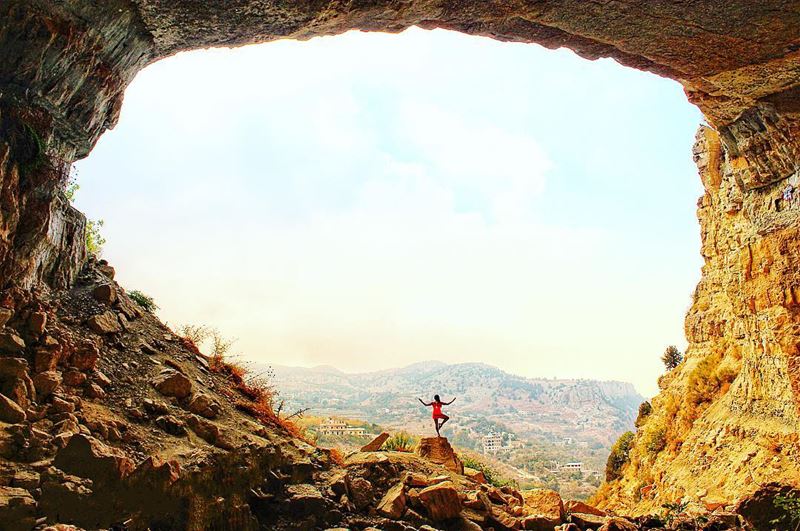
[{"x": 437, "y": 412}]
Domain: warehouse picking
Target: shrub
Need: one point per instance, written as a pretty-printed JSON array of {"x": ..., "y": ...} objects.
[
  {"x": 400, "y": 442},
  {"x": 673, "y": 510},
  {"x": 145, "y": 301},
  {"x": 491, "y": 475},
  {"x": 790, "y": 506},
  {"x": 656, "y": 440},
  {"x": 254, "y": 394},
  {"x": 619, "y": 456},
  {"x": 194, "y": 333},
  {"x": 644, "y": 411},
  {"x": 94, "y": 240},
  {"x": 672, "y": 357}
]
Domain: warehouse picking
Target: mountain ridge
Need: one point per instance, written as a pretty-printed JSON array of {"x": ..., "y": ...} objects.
[{"x": 487, "y": 396}]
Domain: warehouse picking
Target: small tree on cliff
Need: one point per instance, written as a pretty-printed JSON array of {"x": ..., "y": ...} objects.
[
  {"x": 619, "y": 456},
  {"x": 672, "y": 357}
]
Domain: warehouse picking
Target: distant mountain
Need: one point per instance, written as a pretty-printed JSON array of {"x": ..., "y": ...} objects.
[{"x": 488, "y": 398}]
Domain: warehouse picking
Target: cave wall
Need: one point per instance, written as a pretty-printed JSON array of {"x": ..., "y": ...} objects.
[{"x": 64, "y": 67}]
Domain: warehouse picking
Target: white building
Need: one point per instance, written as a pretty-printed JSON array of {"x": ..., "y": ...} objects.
[
  {"x": 332, "y": 426},
  {"x": 492, "y": 442},
  {"x": 571, "y": 467}
]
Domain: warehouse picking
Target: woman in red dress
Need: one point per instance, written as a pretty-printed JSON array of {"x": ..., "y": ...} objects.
[{"x": 437, "y": 412}]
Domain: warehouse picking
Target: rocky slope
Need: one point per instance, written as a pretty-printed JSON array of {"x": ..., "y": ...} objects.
[
  {"x": 582, "y": 409},
  {"x": 725, "y": 421},
  {"x": 108, "y": 420}
]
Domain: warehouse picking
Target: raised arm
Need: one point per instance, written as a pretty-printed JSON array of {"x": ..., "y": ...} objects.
[
  {"x": 448, "y": 403},
  {"x": 423, "y": 403}
]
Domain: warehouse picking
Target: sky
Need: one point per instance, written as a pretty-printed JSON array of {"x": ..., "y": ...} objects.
[{"x": 369, "y": 201}]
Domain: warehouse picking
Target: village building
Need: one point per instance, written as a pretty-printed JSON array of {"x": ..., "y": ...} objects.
[
  {"x": 492, "y": 442},
  {"x": 332, "y": 426},
  {"x": 571, "y": 467}
]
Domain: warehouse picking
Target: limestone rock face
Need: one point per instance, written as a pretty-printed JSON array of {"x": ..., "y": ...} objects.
[
  {"x": 438, "y": 450},
  {"x": 727, "y": 419}
]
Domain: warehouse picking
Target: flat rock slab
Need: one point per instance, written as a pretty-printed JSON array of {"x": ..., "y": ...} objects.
[{"x": 375, "y": 444}]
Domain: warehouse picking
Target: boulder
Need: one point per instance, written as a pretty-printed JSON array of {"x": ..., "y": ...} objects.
[
  {"x": 20, "y": 390},
  {"x": 618, "y": 524},
  {"x": 59, "y": 405},
  {"x": 544, "y": 503},
  {"x": 537, "y": 523},
  {"x": 106, "y": 269},
  {"x": 105, "y": 293},
  {"x": 37, "y": 323},
  {"x": 11, "y": 342},
  {"x": 414, "y": 479},
  {"x": 504, "y": 520},
  {"x": 104, "y": 323},
  {"x": 209, "y": 432},
  {"x": 12, "y": 368},
  {"x": 46, "y": 382},
  {"x": 5, "y": 316},
  {"x": 173, "y": 383},
  {"x": 577, "y": 506},
  {"x": 10, "y": 411},
  {"x": 46, "y": 359},
  {"x": 85, "y": 456},
  {"x": 93, "y": 390},
  {"x": 25, "y": 479},
  {"x": 73, "y": 378},
  {"x": 305, "y": 499},
  {"x": 441, "y": 501},
  {"x": 475, "y": 475},
  {"x": 438, "y": 450},
  {"x": 65, "y": 497},
  {"x": 360, "y": 490},
  {"x": 585, "y": 521},
  {"x": 17, "y": 509},
  {"x": 375, "y": 444},
  {"x": 393, "y": 503},
  {"x": 85, "y": 357},
  {"x": 101, "y": 379},
  {"x": 171, "y": 425},
  {"x": 203, "y": 405}
]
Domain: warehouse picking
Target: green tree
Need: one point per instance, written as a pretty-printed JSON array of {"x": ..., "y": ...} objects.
[
  {"x": 672, "y": 357},
  {"x": 94, "y": 240},
  {"x": 619, "y": 456},
  {"x": 645, "y": 408}
]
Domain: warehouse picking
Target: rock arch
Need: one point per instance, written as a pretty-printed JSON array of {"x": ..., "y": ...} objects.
[{"x": 729, "y": 410}]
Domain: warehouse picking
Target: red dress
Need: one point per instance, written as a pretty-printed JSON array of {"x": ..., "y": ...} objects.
[{"x": 437, "y": 410}]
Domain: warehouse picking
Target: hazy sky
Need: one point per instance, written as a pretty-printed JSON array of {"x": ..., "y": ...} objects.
[{"x": 371, "y": 200}]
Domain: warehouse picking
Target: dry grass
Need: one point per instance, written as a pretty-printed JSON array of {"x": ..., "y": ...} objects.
[
  {"x": 253, "y": 394},
  {"x": 336, "y": 456}
]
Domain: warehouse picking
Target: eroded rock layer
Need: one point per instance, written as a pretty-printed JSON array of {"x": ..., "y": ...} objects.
[{"x": 727, "y": 418}]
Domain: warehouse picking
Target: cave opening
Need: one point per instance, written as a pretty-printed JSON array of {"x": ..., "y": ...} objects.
[
  {"x": 372, "y": 198},
  {"x": 724, "y": 422}
]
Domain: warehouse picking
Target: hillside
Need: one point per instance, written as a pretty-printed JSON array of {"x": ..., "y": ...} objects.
[{"x": 488, "y": 398}]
